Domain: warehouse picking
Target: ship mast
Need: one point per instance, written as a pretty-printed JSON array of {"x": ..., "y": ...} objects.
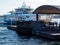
[{"x": 23, "y": 5}]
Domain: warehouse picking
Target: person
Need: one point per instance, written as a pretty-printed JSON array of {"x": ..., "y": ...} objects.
[{"x": 56, "y": 23}]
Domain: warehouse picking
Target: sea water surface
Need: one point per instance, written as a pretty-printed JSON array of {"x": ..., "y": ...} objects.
[{"x": 10, "y": 37}]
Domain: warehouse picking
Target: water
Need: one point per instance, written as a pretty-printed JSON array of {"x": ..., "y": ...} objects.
[{"x": 10, "y": 37}]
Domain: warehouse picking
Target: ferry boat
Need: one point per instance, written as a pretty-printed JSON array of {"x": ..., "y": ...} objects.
[{"x": 14, "y": 15}]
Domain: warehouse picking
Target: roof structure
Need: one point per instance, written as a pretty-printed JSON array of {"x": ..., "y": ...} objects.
[{"x": 47, "y": 9}]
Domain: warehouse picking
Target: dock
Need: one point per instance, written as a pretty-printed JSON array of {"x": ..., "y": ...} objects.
[
  {"x": 36, "y": 28},
  {"x": 48, "y": 32}
]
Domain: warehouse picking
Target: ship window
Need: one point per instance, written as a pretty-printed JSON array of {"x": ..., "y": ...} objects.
[
  {"x": 27, "y": 16},
  {"x": 16, "y": 13}
]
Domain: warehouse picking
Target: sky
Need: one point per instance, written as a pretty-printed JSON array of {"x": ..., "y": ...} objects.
[{"x": 10, "y": 5}]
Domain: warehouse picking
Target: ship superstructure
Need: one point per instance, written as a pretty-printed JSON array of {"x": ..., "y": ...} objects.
[
  {"x": 22, "y": 10},
  {"x": 18, "y": 13}
]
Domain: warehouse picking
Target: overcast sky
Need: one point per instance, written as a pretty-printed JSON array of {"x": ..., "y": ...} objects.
[{"x": 9, "y": 5}]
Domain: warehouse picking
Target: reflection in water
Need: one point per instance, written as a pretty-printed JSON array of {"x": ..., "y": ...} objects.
[{"x": 10, "y": 37}]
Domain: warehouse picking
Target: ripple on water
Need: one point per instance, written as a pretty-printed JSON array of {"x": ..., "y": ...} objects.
[{"x": 10, "y": 37}]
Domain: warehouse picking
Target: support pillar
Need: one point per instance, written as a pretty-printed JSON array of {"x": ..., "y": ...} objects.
[{"x": 36, "y": 17}]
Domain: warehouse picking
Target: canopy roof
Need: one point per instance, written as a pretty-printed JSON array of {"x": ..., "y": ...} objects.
[{"x": 47, "y": 9}]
